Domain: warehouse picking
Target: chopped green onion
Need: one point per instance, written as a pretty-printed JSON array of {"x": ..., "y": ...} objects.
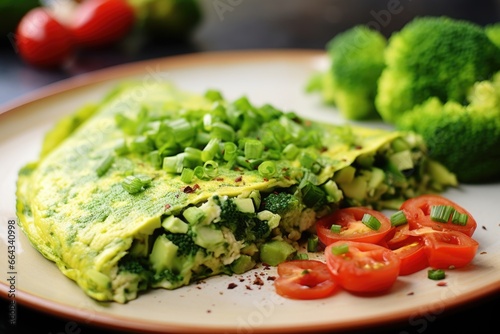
[
  {"x": 182, "y": 130},
  {"x": 213, "y": 95},
  {"x": 335, "y": 228},
  {"x": 211, "y": 168},
  {"x": 134, "y": 184},
  {"x": 441, "y": 213},
  {"x": 141, "y": 144},
  {"x": 290, "y": 151},
  {"x": 121, "y": 147},
  {"x": 313, "y": 243},
  {"x": 192, "y": 157},
  {"x": 199, "y": 172},
  {"x": 210, "y": 150},
  {"x": 459, "y": 218},
  {"x": 253, "y": 149},
  {"x": 307, "y": 160},
  {"x": 222, "y": 131},
  {"x": 155, "y": 159},
  {"x": 230, "y": 151},
  {"x": 105, "y": 165},
  {"x": 340, "y": 249},
  {"x": 312, "y": 195},
  {"x": 267, "y": 169},
  {"x": 174, "y": 164},
  {"x": 436, "y": 274},
  {"x": 370, "y": 221},
  {"x": 302, "y": 256},
  {"x": 187, "y": 175},
  {"x": 398, "y": 218}
]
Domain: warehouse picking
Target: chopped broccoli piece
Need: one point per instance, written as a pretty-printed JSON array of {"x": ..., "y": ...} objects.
[
  {"x": 465, "y": 139},
  {"x": 357, "y": 60},
  {"x": 185, "y": 243},
  {"x": 493, "y": 33},
  {"x": 433, "y": 56},
  {"x": 133, "y": 265},
  {"x": 280, "y": 202},
  {"x": 243, "y": 225}
]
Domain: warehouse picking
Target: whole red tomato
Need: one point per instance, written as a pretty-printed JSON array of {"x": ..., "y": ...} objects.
[
  {"x": 100, "y": 22},
  {"x": 43, "y": 41}
]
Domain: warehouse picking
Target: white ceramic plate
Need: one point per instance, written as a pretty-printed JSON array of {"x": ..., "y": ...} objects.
[{"x": 276, "y": 77}]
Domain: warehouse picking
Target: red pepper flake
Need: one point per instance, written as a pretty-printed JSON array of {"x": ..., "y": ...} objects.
[
  {"x": 271, "y": 278},
  {"x": 484, "y": 227},
  {"x": 258, "y": 281},
  {"x": 410, "y": 293},
  {"x": 442, "y": 284},
  {"x": 248, "y": 287},
  {"x": 265, "y": 179},
  {"x": 483, "y": 252},
  {"x": 231, "y": 286},
  {"x": 238, "y": 179},
  {"x": 188, "y": 190},
  {"x": 209, "y": 311},
  {"x": 167, "y": 206},
  {"x": 219, "y": 179}
]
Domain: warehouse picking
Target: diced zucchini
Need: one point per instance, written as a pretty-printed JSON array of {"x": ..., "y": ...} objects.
[
  {"x": 193, "y": 215},
  {"x": 207, "y": 237},
  {"x": 345, "y": 175},
  {"x": 174, "y": 225},
  {"x": 242, "y": 264},
  {"x": 244, "y": 205},
  {"x": 163, "y": 254},
  {"x": 276, "y": 251}
]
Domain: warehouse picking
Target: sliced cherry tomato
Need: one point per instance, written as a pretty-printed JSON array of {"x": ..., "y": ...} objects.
[
  {"x": 413, "y": 256},
  {"x": 418, "y": 211},
  {"x": 447, "y": 248},
  {"x": 43, "y": 41},
  {"x": 101, "y": 22},
  {"x": 304, "y": 279},
  {"x": 364, "y": 267},
  {"x": 352, "y": 228}
]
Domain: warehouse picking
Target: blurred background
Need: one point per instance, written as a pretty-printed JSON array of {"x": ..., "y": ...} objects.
[
  {"x": 170, "y": 27},
  {"x": 163, "y": 28}
]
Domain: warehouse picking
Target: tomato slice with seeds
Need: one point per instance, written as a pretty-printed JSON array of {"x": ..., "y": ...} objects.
[
  {"x": 447, "y": 249},
  {"x": 363, "y": 267},
  {"x": 304, "y": 279},
  {"x": 412, "y": 255},
  {"x": 351, "y": 226},
  {"x": 418, "y": 214}
]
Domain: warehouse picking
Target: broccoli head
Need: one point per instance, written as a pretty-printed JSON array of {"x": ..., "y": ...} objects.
[
  {"x": 280, "y": 202},
  {"x": 357, "y": 59},
  {"x": 433, "y": 57},
  {"x": 185, "y": 243},
  {"x": 463, "y": 138},
  {"x": 493, "y": 33}
]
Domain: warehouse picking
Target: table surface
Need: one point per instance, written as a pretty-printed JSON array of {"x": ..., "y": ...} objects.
[{"x": 251, "y": 25}]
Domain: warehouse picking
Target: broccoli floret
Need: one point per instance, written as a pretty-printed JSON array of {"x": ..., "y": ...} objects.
[
  {"x": 185, "y": 243},
  {"x": 280, "y": 202},
  {"x": 133, "y": 265},
  {"x": 465, "y": 139},
  {"x": 357, "y": 59},
  {"x": 433, "y": 56},
  {"x": 244, "y": 226}
]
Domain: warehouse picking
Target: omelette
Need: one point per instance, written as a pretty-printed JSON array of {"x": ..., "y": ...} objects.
[{"x": 154, "y": 187}]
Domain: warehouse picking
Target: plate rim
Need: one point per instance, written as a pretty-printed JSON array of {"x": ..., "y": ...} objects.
[{"x": 115, "y": 322}]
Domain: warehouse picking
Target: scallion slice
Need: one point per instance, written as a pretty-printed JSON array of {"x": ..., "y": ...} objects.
[
  {"x": 105, "y": 165},
  {"x": 436, "y": 274},
  {"x": 134, "y": 184},
  {"x": 187, "y": 175},
  {"x": 230, "y": 151},
  {"x": 312, "y": 195},
  {"x": 253, "y": 149},
  {"x": 335, "y": 228},
  {"x": 370, "y": 221},
  {"x": 312, "y": 243},
  {"x": 267, "y": 169},
  {"x": 459, "y": 218},
  {"x": 398, "y": 218},
  {"x": 340, "y": 249},
  {"x": 210, "y": 168},
  {"x": 441, "y": 213},
  {"x": 210, "y": 150}
]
